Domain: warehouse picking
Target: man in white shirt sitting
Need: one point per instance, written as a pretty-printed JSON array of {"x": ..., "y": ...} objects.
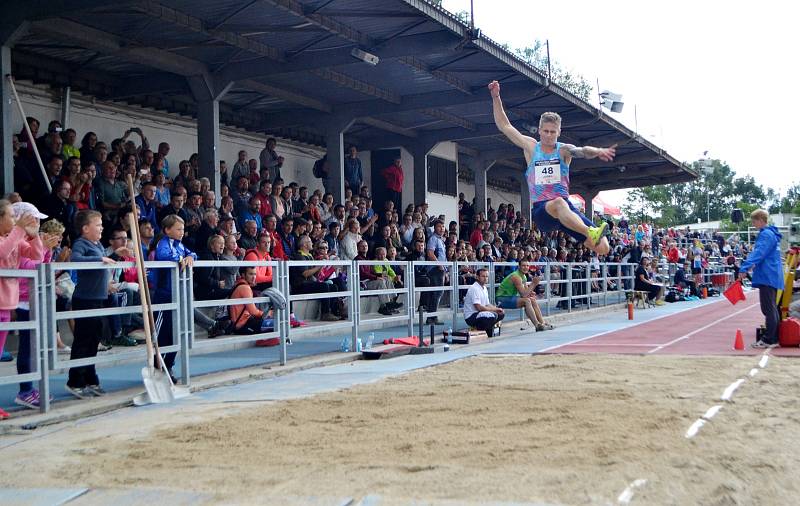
[{"x": 478, "y": 312}]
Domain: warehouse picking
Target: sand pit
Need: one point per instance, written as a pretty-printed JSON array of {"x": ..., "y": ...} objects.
[{"x": 555, "y": 429}]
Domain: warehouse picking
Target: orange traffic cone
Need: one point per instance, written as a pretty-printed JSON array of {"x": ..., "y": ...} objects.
[{"x": 738, "y": 344}]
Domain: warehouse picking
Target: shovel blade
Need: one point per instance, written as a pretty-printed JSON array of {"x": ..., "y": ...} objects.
[{"x": 157, "y": 386}]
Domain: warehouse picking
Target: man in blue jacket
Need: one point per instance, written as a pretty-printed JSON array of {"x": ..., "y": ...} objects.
[{"x": 765, "y": 260}]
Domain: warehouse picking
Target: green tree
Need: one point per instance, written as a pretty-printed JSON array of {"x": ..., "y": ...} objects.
[{"x": 536, "y": 56}]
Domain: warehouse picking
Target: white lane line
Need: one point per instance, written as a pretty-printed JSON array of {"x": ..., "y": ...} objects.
[
  {"x": 549, "y": 348},
  {"x": 763, "y": 362},
  {"x": 726, "y": 395},
  {"x": 704, "y": 327},
  {"x": 692, "y": 432},
  {"x": 612, "y": 344},
  {"x": 754, "y": 371},
  {"x": 627, "y": 494},
  {"x": 712, "y": 412}
]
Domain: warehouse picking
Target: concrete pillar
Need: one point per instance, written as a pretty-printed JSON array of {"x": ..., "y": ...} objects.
[
  {"x": 420, "y": 154},
  {"x": 7, "y": 107},
  {"x": 334, "y": 142},
  {"x": 207, "y": 142},
  {"x": 525, "y": 203},
  {"x": 481, "y": 169},
  {"x": 207, "y": 94},
  {"x": 588, "y": 196}
]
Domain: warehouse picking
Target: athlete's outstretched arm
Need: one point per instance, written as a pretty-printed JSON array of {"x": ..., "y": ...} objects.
[
  {"x": 505, "y": 126},
  {"x": 568, "y": 151}
]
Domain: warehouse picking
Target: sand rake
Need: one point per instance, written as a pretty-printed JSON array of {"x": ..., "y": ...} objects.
[{"x": 158, "y": 385}]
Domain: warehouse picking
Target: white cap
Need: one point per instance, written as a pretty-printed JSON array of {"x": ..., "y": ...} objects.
[{"x": 22, "y": 208}]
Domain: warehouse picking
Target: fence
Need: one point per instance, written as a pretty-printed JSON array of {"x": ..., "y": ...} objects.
[{"x": 563, "y": 283}]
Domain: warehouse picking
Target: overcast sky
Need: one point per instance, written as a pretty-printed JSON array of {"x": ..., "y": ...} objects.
[{"x": 704, "y": 75}]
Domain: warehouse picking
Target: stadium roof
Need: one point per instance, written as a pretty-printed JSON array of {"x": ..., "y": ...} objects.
[{"x": 285, "y": 67}]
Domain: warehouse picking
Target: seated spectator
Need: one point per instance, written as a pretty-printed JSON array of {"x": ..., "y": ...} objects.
[
  {"x": 683, "y": 281},
  {"x": 643, "y": 283},
  {"x": 261, "y": 253},
  {"x": 303, "y": 279},
  {"x": 208, "y": 229},
  {"x": 57, "y": 205},
  {"x": 249, "y": 238},
  {"x": 247, "y": 318},
  {"x": 373, "y": 280},
  {"x": 478, "y": 312},
  {"x": 516, "y": 292},
  {"x": 211, "y": 282},
  {"x": 252, "y": 214}
]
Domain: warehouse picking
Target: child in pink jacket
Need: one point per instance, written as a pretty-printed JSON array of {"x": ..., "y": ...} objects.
[{"x": 18, "y": 238}]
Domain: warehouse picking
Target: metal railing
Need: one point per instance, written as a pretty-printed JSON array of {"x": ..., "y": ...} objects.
[{"x": 575, "y": 284}]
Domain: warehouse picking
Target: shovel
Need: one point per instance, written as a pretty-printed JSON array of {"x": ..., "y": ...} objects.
[{"x": 158, "y": 385}]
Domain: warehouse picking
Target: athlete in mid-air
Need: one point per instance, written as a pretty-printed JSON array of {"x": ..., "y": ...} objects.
[{"x": 548, "y": 175}]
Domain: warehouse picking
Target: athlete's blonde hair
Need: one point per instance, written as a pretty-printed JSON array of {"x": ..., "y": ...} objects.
[{"x": 550, "y": 117}]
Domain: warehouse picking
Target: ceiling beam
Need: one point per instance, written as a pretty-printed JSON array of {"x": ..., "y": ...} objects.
[
  {"x": 109, "y": 44},
  {"x": 386, "y": 50},
  {"x": 188, "y": 22},
  {"x": 641, "y": 156},
  {"x": 389, "y": 127},
  {"x": 325, "y": 22},
  {"x": 284, "y": 94},
  {"x": 446, "y": 77}
]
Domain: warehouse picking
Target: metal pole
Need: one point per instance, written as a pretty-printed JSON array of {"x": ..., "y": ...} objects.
[
  {"x": 410, "y": 306},
  {"x": 454, "y": 293},
  {"x": 547, "y": 289},
  {"x": 281, "y": 318},
  {"x": 179, "y": 320},
  {"x": 39, "y": 312},
  {"x": 30, "y": 135},
  {"x": 588, "y": 286},
  {"x": 355, "y": 311},
  {"x": 569, "y": 288},
  {"x": 66, "y": 105}
]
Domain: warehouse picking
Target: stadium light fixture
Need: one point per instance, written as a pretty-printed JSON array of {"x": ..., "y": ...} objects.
[
  {"x": 611, "y": 101},
  {"x": 364, "y": 56}
]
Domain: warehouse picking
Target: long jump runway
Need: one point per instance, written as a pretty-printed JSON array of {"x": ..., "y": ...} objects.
[{"x": 705, "y": 330}]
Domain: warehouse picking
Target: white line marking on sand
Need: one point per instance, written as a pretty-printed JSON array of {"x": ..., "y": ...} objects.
[
  {"x": 754, "y": 371},
  {"x": 726, "y": 395},
  {"x": 763, "y": 362},
  {"x": 627, "y": 494},
  {"x": 690, "y": 334},
  {"x": 692, "y": 432},
  {"x": 712, "y": 412},
  {"x": 612, "y": 344}
]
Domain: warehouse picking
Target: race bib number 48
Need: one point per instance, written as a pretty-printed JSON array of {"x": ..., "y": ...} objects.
[{"x": 547, "y": 172}]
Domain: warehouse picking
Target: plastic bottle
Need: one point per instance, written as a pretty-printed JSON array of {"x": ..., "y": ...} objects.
[
  {"x": 449, "y": 335},
  {"x": 370, "y": 341},
  {"x": 359, "y": 345}
]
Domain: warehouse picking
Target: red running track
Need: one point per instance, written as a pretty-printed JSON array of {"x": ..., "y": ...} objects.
[{"x": 704, "y": 330}]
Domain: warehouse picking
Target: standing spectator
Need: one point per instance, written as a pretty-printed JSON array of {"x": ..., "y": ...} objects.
[
  {"x": 241, "y": 167},
  {"x": 271, "y": 161},
  {"x": 765, "y": 260},
  {"x": 91, "y": 292},
  {"x": 163, "y": 151},
  {"x": 478, "y": 312},
  {"x": 111, "y": 193},
  {"x": 394, "y": 181},
  {"x": 169, "y": 249},
  {"x": 353, "y": 175},
  {"x": 435, "y": 251}
]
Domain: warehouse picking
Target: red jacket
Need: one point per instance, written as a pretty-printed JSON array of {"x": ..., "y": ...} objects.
[
  {"x": 673, "y": 256},
  {"x": 394, "y": 178},
  {"x": 263, "y": 272}
]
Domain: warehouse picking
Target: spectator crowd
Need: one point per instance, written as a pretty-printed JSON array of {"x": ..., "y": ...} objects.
[{"x": 257, "y": 215}]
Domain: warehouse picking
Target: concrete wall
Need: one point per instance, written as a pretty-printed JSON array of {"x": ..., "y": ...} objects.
[{"x": 110, "y": 120}]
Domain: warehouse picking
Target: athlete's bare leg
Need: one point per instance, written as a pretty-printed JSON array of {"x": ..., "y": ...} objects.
[
  {"x": 601, "y": 248},
  {"x": 558, "y": 209},
  {"x": 530, "y": 312}
]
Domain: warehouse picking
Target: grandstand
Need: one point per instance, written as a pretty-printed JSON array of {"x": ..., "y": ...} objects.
[{"x": 330, "y": 150}]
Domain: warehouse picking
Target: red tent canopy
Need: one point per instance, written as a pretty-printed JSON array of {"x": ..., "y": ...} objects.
[{"x": 598, "y": 204}]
